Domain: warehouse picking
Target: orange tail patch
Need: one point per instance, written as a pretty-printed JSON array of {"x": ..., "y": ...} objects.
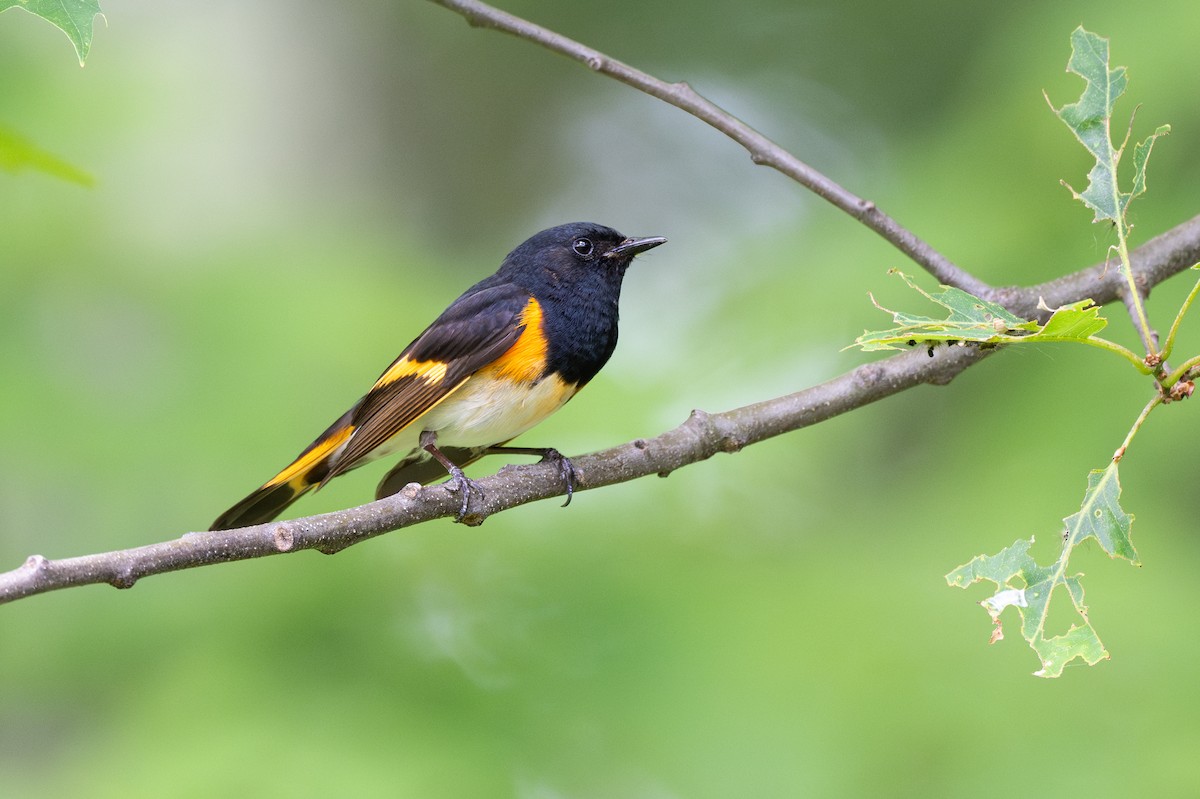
[
  {"x": 312, "y": 457},
  {"x": 303, "y": 475}
]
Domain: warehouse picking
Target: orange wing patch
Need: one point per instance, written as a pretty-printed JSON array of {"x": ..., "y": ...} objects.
[
  {"x": 308, "y": 460},
  {"x": 430, "y": 371},
  {"x": 525, "y": 361}
]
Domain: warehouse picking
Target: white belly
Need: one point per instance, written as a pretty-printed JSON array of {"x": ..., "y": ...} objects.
[
  {"x": 486, "y": 411},
  {"x": 483, "y": 412}
]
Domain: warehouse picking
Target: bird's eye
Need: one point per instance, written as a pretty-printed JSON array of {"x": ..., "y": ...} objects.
[{"x": 582, "y": 247}]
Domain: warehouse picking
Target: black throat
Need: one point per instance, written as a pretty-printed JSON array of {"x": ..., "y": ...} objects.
[{"x": 579, "y": 318}]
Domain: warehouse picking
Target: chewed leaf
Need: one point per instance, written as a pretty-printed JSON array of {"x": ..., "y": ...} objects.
[
  {"x": 1101, "y": 517},
  {"x": 1141, "y": 154},
  {"x": 1078, "y": 642},
  {"x": 1090, "y": 119},
  {"x": 999, "y": 568},
  {"x": 1074, "y": 322},
  {"x": 72, "y": 17},
  {"x": 1023, "y": 584},
  {"x": 970, "y": 318}
]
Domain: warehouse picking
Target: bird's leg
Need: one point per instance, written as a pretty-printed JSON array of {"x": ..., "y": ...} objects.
[
  {"x": 566, "y": 469},
  {"x": 463, "y": 484}
]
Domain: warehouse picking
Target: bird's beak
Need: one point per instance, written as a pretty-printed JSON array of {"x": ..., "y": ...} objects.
[{"x": 631, "y": 247}]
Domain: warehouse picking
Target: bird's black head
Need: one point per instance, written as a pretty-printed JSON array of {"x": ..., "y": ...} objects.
[
  {"x": 575, "y": 272},
  {"x": 576, "y": 252}
]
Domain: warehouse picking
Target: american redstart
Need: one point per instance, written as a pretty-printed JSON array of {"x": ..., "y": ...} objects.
[{"x": 505, "y": 355}]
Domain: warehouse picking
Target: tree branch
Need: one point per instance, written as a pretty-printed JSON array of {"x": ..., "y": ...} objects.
[
  {"x": 699, "y": 438},
  {"x": 762, "y": 150},
  {"x": 1162, "y": 257}
]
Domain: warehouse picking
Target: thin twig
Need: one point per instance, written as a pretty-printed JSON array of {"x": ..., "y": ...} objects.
[
  {"x": 1153, "y": 262},
  {"x": 762, "y": 150}
]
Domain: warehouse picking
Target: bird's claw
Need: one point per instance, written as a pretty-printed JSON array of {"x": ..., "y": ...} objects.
[
  {"x": 464, "y": 486},
  {"x": 566, "y": 471}
]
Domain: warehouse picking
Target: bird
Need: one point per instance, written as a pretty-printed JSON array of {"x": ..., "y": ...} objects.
[{"x": 506, "y": 354}]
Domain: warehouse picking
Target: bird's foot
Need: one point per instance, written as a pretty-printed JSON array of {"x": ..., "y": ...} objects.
[
  {"x": 566, "y": 470},
  {"x": 464, "y": 486}
]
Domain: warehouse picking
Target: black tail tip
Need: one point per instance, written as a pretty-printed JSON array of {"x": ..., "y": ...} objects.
[{"x": 259, "y": 508}]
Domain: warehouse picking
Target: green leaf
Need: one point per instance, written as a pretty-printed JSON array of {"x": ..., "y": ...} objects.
[
  {"x": 18, "y": 153},
  {"x": 1078, "y": 321},
  {"x": 1024, "y": 584},
  {"x": 72, "y": 17},
  {"x": 1141, "y": 154},
  {"x": 1102, "y": 518},
  {"x": 1090, "y": 119},
  {"x": 973, "y": 319}
]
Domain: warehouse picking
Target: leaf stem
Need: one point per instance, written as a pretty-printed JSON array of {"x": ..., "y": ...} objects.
[
  {"x": 1178, "y": 374},
  {"x": 1134, "y": 299},
  {"x": 1112, "y": 346},
  {"x": 1137, "y": 425},
  {"x": 1183, "y": 309}
]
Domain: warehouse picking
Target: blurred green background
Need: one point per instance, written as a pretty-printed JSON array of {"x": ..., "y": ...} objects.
[{"x": 287, "y": 192}]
